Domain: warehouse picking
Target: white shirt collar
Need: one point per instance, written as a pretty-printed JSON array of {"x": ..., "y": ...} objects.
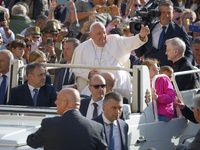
[
  {"x": 107, "y": 122},
  {"x": 99, "y": 103},
  {"x": 31, "y": 87},
  {"x": 7, "y": 74}
]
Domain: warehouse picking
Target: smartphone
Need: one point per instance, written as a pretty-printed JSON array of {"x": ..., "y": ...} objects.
[
  {"x": 188, "y": 22},
  {"x": 2, "y": 16},
  {"x": 70, "y": 34},
  {"x": 123, "y": 9},
  {"x": 49, "y": 41},
  {"x": 63, "y": 2},
  {"x": 34, "y": 46},
  {"x": 105, "y": 10},
  {"x": 194, "y": 28}
]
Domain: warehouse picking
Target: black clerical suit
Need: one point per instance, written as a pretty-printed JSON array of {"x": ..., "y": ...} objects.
[{"x": 189, "y": 81}]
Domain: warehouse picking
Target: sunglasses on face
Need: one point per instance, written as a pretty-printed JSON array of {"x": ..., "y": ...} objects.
[
  {"x": 136, "y": 5},
  {"x": 97, "y": 86},
  {"x": 28, "y": 45},
  {"x": 178, "y": 18}
]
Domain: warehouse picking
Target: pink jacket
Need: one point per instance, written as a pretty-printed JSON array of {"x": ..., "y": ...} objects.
[{"x": 166, "y": 96}]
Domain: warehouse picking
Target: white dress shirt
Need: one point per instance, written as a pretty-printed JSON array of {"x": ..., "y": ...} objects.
[
  {"x": 90, "y": 110},
  {"x": 156, "y": 34},
  {"x": 31, "y": 88},
  {"x": 116, "y": 133}
]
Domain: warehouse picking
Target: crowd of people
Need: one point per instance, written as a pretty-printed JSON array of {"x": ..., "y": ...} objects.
[{"x": 95, "y": 33}]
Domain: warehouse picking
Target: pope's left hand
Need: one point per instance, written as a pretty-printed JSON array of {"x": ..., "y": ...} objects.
[{"x": 144, "y": 31}]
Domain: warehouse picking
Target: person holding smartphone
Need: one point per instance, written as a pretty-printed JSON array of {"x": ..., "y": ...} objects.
[{"x": 7, "y": 34}]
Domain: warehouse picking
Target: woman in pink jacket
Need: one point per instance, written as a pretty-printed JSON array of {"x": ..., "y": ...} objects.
[{"x": 163, "y": 93}]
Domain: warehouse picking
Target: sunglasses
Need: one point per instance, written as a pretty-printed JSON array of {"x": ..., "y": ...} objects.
[
  {"x": 178, "y": 18},
  {"x": 28, "y": 45},
  {"x": 97, "y": 86},
  {"x": 136, "y": 5}
]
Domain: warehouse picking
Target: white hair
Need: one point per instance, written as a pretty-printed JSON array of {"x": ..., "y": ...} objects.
[
  {"x": 177, "y": 43},
  {"x": 19, "y": 9}
]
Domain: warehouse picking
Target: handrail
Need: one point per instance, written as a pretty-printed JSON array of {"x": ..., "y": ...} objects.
[
  {"x": 86, "y": 67},
  {"x": 27, "y": 109},
  {"x": 186, "y": 72},
  {"x": 154, "y": 101}
]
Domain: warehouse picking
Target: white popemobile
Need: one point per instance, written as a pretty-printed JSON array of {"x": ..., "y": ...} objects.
[{"x": 145, "y": 131}]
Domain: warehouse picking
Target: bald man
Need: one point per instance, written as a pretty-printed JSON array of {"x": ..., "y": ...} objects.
[
  {"x": 70, "y": 131},
  {"x": 5, "y": 57},
  {"x": 92, "y": 106}
]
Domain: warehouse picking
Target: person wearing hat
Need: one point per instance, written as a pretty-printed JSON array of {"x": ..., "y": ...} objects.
[
  {"x": 52, "y": 49},
  {"x": 33, "y": 33}
]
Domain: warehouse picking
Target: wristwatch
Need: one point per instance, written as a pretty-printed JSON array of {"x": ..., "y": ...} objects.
[{"x": 143, "y": 39}]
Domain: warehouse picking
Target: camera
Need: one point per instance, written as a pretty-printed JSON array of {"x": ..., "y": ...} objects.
[
  {"x": 105, "y": 10},
  {"x": 148, "y": 15}
]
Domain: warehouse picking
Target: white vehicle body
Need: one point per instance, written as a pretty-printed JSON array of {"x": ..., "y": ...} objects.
[{"x": 144, "y": 131}]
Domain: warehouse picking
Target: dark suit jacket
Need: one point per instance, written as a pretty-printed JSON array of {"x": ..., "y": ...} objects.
[
  {"x": 123, "y": 129},
  {"x": 188, "y": 114},
  {"x": 189, "y": 81},
  {"x": 85, "y": 103},
  {"x": 58, "y": 78},
  {"x": 173, "y": 30},
  {"x": 195, "y": 145},
  {"x": 71, "y": 131},
  {"x": 21, "y": 95}
]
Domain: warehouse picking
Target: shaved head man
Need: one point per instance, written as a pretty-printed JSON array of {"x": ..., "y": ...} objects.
[{"x": 52, "y": 133}]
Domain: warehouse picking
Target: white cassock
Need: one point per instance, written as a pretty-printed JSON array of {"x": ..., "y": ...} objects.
[{"x": 116, "y": 53}]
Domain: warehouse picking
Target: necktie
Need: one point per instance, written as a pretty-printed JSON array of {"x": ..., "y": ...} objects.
[
  {"x": 35, "y": 96},
  {"x": 95, "y": 110},
  {"x": 66, "y": 77},
  {"x": 161, "y": 37},
  {"x": 2, "y": 89},
  {"x": 112, "y": 142}
]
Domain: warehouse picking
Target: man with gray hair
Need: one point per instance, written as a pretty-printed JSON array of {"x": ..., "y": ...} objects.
[
  {"x": 5, "y": 57},
  {"x": 19, "y": 19},
  {"x": 193, "y": 116},
  {"x": 175, "y": 52},
  {"x": 63, "y": 76}
]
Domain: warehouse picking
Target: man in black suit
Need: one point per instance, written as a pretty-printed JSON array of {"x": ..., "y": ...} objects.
[
  {"x": 193, "y": 116},
  {"x": 35, "y": 92},
  {"x": 63, "y": 76},
  {"x": 92, "y": 106},
  {"x": 155, "y": 47},
  {"x": 175, "y": 52},
  {"x": 5, "y": 57},
  {"x": 70, "y": 131},
  {"x": 112, "y": 109}
]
